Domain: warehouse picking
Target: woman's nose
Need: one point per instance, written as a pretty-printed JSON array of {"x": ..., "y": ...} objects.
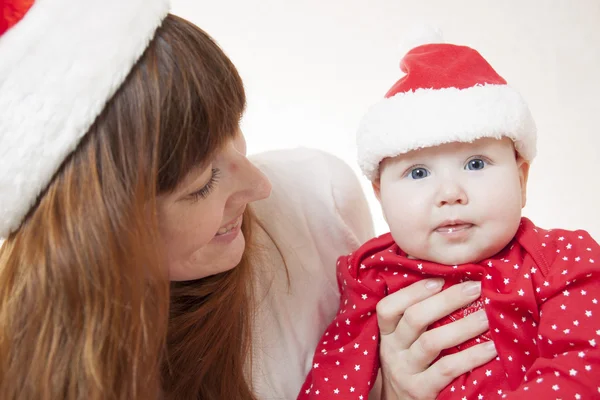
[
  {"x": 260, "y": 184},
  {"x": 253, "y": 184}
]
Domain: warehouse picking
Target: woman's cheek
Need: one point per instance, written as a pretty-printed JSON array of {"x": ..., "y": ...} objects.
[{"x": 204, "y": 230}]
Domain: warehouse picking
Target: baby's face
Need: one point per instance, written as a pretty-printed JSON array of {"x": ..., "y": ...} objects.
[{"x": 455, "y": 203}]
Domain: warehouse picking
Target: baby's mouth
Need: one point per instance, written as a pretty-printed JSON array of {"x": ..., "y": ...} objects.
[{"x": 451, "y": 228}]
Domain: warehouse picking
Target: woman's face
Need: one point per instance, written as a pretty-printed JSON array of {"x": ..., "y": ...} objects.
[{"x": 200, "y": 221}]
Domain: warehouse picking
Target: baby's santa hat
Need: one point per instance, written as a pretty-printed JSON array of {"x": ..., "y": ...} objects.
[
  {"x": 60, "y": 63},
  {"x": 449, "y": 93}
]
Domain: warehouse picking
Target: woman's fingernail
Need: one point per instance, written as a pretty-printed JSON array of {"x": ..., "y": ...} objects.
[
  {"x": 490, "y": 346},
  {"x": 434, "y": 283},
  {"x": 472, "y": 288}
]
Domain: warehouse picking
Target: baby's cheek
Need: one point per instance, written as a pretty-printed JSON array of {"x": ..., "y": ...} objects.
[{"x": 399, "y": 220}]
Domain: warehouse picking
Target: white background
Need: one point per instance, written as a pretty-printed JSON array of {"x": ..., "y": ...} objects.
[{"x": 312, "y": 68}]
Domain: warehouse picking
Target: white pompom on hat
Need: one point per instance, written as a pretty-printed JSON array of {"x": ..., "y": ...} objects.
[
  {"x": 60, "y": 63},
  {"x": 449, "y": 93}
]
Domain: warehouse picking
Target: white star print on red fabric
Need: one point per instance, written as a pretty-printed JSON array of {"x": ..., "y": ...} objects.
[{"x": 542, "y": 321}]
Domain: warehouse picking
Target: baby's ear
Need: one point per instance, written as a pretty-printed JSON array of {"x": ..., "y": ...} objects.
[
  {"x": 523, "y": 167},
  {"x": 377, "y": 188}
]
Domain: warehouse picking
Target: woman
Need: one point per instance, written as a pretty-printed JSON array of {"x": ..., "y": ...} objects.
[{"x": 123, "y": 169}]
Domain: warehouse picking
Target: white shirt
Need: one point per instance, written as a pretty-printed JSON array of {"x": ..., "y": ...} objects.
[{"x": 316, "y": 212}]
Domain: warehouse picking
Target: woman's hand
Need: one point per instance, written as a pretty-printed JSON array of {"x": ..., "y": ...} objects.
[{"x": 407, "y": 349}]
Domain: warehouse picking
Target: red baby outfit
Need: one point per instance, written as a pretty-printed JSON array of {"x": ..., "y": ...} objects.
[{"x": 542, "y": 298}]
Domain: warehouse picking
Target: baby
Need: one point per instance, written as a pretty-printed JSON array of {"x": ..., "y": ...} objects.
[{"x": 448, "y": 152}]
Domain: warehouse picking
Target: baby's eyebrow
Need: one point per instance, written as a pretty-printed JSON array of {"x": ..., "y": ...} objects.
[{"x": 400, "y": 161}]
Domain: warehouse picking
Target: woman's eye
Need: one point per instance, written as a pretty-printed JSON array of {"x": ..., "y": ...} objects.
[
  {"x": 419, "y": 173},
  {"x": 207, "y": 189},
  {"x": 475, "y": 164}
]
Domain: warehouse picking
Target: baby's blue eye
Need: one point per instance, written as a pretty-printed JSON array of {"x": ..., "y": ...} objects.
[
  {"x": 475, "y": 164},
  {"x": 419, "y": 173}
]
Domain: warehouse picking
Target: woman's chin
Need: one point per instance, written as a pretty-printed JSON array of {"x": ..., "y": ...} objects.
[
  {"x": 231, "y": 255},
  {"x": 236, "y": 251}
]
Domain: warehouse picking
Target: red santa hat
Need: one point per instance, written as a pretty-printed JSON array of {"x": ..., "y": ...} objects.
[
  {"x": 60, "y": 62},
  {"x": 449, "y": 93}
]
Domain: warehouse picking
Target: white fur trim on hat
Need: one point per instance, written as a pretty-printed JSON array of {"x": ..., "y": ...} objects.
[
  {"x": 59, "y": 66},
  {"x": 428, "y": 117}
]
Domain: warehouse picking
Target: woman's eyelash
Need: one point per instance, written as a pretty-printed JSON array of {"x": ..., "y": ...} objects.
[{"x": 207, "y": 189}]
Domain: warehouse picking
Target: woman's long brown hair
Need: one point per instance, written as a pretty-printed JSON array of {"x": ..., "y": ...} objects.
[{"x": 84, "y": 298}]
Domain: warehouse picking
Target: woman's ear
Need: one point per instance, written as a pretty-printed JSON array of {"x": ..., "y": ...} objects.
[{"x": 523, "y": 167}]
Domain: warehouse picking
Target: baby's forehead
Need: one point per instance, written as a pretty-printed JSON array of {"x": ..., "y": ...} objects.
[
  {"x": 488, "y": 146},
  {"x": 487, "y": 143}
]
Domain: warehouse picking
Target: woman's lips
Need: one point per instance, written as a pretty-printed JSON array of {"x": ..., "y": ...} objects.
[{"x": 230, "y": 227}]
